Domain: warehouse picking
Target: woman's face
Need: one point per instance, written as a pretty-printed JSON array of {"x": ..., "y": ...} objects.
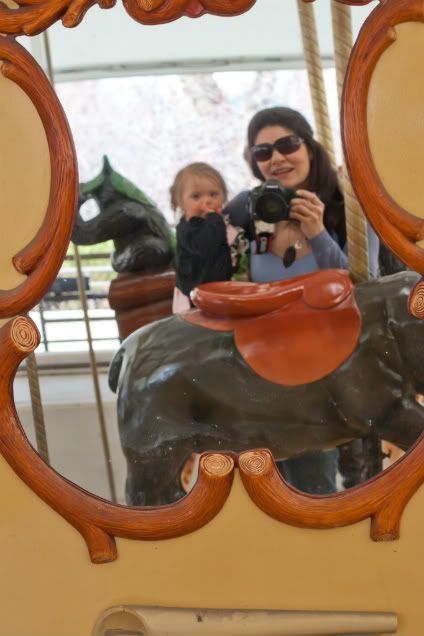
[{"x": 291, "y": 170}]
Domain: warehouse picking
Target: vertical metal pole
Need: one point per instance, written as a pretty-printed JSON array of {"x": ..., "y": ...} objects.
[
  {"x": 37, "y": 407},
  {"x": 95, "y": 377},
  {"x": 356, "y": 225},
  {"x": 31, "y": 363},
  {"x": 43, "y": 324},
  {"x": 316, "y": 76},
  {"x": 93, "y": 366}
]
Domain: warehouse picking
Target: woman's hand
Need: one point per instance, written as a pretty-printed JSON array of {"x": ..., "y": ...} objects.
[{"x": 308, "y": 209}]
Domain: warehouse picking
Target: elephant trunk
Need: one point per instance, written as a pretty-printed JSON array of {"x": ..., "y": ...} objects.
[{"x": 115, "y": 369}]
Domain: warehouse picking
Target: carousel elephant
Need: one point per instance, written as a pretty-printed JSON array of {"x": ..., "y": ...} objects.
[
  {"x": 294, "y": 366},
  {"x": 143, "y": 240}
]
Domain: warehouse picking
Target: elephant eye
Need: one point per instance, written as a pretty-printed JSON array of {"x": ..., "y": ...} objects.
[{"x": 89, "y": 209}]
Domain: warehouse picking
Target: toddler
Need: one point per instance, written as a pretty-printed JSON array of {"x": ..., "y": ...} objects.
[{"x": 209, "y": 248}]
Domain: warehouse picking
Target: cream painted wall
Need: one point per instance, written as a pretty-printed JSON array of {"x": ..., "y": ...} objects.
[
  {"x": 24, "y": 176},
  {"x": 396, "y": 118},
  {"x": 242, "y": 559}
]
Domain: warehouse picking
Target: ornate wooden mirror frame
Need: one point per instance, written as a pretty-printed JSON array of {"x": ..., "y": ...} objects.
[{"x": 383, "y": 498}]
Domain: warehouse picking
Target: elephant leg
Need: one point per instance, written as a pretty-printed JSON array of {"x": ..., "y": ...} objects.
[
  {"x": 352, "y": 463},
  {"x": 154, "y": 478},
  {"x": 313, "y": 473},
  {"x": 360, "y": 460},
  {"x": 374, "y": 456},
  {"x": 402, "y": 424}
]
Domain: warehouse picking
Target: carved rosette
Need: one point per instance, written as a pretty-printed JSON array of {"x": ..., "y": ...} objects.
[{"x": 416, "y": 300}]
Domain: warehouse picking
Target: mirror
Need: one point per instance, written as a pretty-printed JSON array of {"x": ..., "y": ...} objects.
[{"x": 151, "y": 137}]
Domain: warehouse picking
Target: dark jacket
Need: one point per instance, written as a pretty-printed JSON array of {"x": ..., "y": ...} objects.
[{"x": 203, "y": 254}]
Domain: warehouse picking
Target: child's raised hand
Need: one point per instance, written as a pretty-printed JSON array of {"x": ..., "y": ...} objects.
[{"x": 203, "y": 211}]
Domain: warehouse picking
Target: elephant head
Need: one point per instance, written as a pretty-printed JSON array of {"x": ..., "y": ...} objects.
[{"x": 142, "y": 237}]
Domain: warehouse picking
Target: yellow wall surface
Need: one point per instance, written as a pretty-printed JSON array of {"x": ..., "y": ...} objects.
[
  {"x": 24, "y": 176},
  {"x": 242, "y": 559},
  {"x": 396, "y": 116}
]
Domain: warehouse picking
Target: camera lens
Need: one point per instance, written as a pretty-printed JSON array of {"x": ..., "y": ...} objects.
[
  {"x": 271, "y": 207},
  {"x": 270, "y": 202}
]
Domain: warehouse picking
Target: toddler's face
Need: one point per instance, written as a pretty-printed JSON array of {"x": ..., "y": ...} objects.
[{"x": 200, "y": 195}]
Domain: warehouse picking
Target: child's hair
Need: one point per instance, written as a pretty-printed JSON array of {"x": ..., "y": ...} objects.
[{"x": 198, "y": 169}]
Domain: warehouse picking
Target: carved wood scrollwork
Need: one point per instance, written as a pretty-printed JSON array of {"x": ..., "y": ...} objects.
[
  {"x": 34, "y": 16},
  {"x": 154, "y": 11},
  {"x": 353, "y": 3},
  {"x": 41, "y": 259},
  {"x": 383, "y": 499},
  {"x": 97, "y": 520},
  {"x": 399, "y": 229}
]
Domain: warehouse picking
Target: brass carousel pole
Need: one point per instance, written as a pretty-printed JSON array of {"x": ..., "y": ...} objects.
[
  {"x": 92, "y": 355},
  {"x": 356, "y": 226},
  {"x": 316, "y": 76}
]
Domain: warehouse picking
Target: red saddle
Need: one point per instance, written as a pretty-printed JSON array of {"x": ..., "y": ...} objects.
[{"x": 289, "y": 332}]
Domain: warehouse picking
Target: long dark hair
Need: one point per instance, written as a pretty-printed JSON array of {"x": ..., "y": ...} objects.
[{"x": 322, "y": 177}]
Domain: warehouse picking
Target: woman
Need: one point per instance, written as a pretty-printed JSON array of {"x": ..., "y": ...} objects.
[{"x": 281, "y": 146}]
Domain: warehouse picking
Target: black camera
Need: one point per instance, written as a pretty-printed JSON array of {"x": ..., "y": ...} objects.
[{"x": 270, "y": 202}]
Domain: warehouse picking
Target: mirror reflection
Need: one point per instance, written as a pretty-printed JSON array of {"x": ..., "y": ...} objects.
[{"x": 231, "y": 183}]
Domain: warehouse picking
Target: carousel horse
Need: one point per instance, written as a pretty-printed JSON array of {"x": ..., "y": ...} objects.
[{"x": 293, "y": 366}]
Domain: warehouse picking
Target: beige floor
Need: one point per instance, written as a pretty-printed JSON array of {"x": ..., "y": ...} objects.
[{"x": 73, "y": 430}]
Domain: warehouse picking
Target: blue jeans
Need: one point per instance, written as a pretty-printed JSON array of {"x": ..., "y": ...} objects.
[{"x": 313, "y": 473}]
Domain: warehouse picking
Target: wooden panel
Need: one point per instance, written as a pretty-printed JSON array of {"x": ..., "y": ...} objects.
[
  {"x": 97, "y": 520},
  {"x": 383, "y": 499},
  {"x": 242, "y": 559},
  {"x": 42, "y": 256},
  {"x": 24, "y": 193},
  {"x": 130, "y": 291},
  {"x": 395, "y": 113},
  {"x": 399, "y": 229},
  {"x": 35, "y": 16},
  {"x": 130, "y": 320}
]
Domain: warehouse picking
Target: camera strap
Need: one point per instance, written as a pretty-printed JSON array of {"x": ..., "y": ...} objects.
[
  {"x": 263, "y": 242},
  {"x": 263, "y": 234}
]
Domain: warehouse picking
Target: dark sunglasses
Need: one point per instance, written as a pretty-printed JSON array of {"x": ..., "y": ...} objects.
[{"x": 284, "y": 145}]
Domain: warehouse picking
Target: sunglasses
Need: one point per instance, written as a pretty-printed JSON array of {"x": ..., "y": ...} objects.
[{"x": 284, "y": 145}]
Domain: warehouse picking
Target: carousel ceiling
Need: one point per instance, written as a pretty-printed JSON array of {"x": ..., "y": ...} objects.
[{"x": 107, "y": 43}]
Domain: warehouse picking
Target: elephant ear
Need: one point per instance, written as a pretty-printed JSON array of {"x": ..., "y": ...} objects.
[
  {"x": 127, "y": 188},
  {"x": 125, "y": 214},
  {"x": 119, "y": 184}
]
